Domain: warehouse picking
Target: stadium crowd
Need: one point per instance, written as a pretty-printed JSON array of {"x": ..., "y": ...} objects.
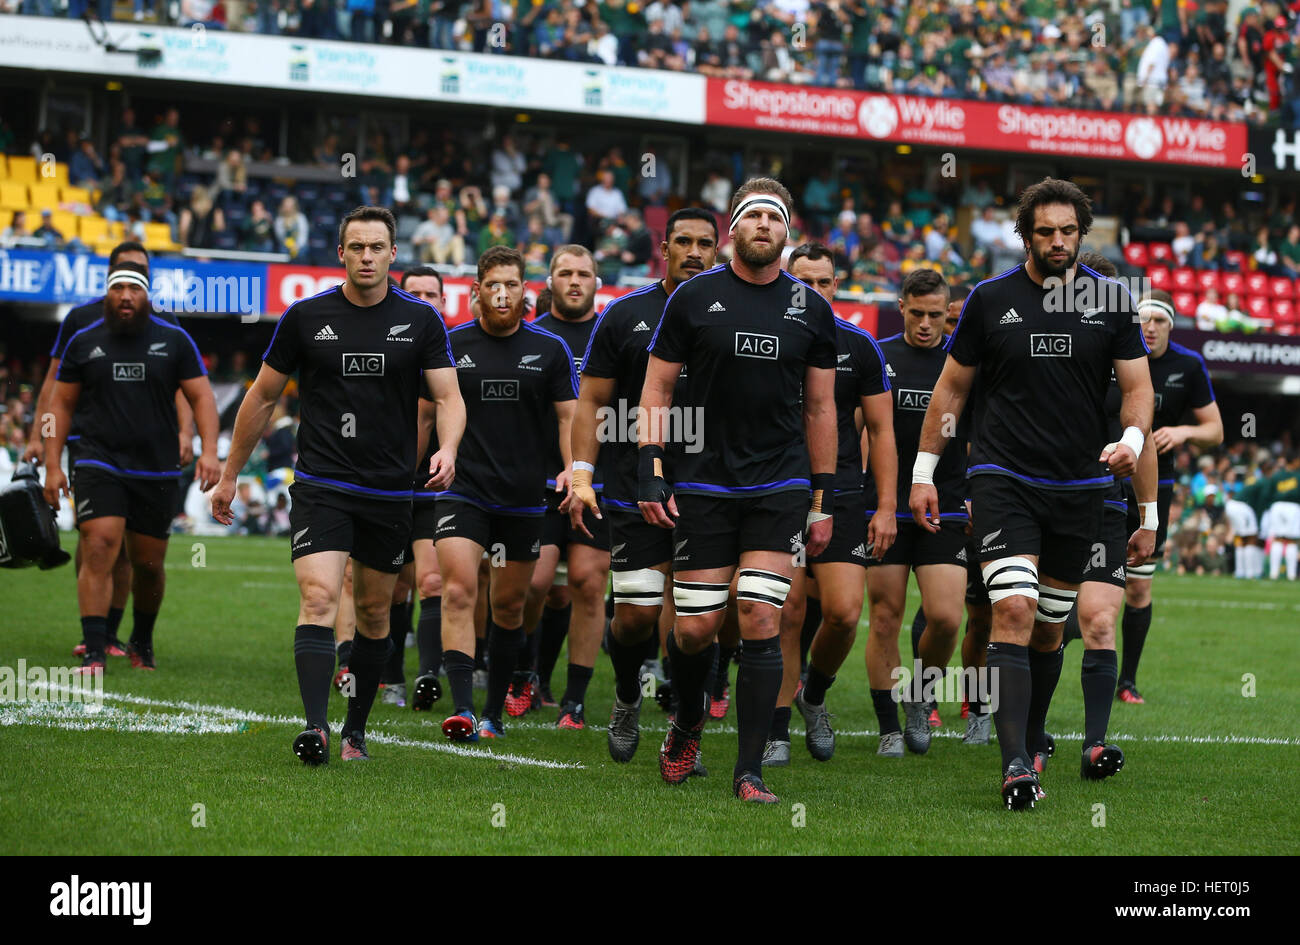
[
  {"x": 1139, "y": 55},
  {"x": 456, "y": 194}
]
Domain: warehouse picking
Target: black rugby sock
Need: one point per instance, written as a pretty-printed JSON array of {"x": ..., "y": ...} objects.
[
  {"x": 779, "y": 731},
  {"x": 1097, "y": 677},
  {"x": 553, "y": 627},
  {"x": 460, "y": 680},
  {"x": 313, "y": 657},
  {"x": 1044, "y": 673},
  {"x": 758, "y": 683},
  {"x": 1136, "y": 624},
  {"x": 428, "y": 636},
  {"x": 1015, "y": 685},
  {"x": 812, "y": 619},
  {"x": 882, "y": 700},
  {"x": 366, "y": 665},
  {"x": 689, "y": 672}
]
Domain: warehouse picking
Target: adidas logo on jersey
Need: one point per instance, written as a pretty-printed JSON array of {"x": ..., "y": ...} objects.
[
  {"x": 97, "y": 353},
  {"x": 1011, "y": 318},
  {"x": 889, "y": 369},
  {"x": 641, "y": 326},
  {"x": 860, "y": 551},
  {"x": 961, "y": 555},
  {"x": 717, "y": 307},
  {"x": 398, "y": 560},
  {"x": 396, "y": 331},
  {"x": 1118, "y": 572},
  {"x": 537, "y": 547},
  {"x": 465, "y": 361},
  {"x": 326, "y": 334}
]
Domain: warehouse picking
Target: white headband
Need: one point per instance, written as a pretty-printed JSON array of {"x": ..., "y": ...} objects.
[
  {"x": 127, "y": 275},
  {"x": 1159, "y": 305},
  {"x": 767, "y": 201}
]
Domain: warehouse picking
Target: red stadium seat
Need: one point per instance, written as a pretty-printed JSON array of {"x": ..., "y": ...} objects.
[
  {"x": 1284, "y": 310},
  {"x": 1160, "y": 278},
  {"x": 1207, "y": 279},
  {"x": 1135, "y": 254},
  {"x": 1161, "y": 253},
  {"x": 1185, "y": 303},
  {"x": 1257, "y": 283},
  {"x": 1236, "y": 257},
  {"x": 1232, "y": 282},
  {"x": 1281, "y": 288},
  {"x": 1258, "y": 306},
  {"x": 1184, "y": 280}
]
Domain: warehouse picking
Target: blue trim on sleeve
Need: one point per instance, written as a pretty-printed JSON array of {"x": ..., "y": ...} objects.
[
  {"x": 884, "y": 374},
  {"x": 1182, "y": 349},
  {"x": 573, "y": 371},
  {"x": 285, "y": 314}
]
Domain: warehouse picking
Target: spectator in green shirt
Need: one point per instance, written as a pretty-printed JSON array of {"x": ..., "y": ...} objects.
[
  {"x": 495, "y": 234},
  {"x": 165, "y": 148},
  {"x": 563, "y": 166}
]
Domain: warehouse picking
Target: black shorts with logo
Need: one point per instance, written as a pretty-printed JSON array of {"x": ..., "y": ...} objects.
[
  {"x": 916, "y": 547},
  {"x": 1057, "y": 526},
  {"x": 519, "y": 537},
  {"x": 424, "y": 519},
  {"x": 635, "y": 544},
  {"x": 1164, "y": 499},
  {"x": 375, "y": 532},
  {"x": 848, "y": 543},
  {"x": 1106, "y": 564},
  {"x": 714, "y": 532},
  {"x": 558, "y": 531},
  {"x": 148, "y": 505}
]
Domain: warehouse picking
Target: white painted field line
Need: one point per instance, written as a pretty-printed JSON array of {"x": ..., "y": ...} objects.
[
  {"x": 202, "y": 719},
  {"x": 658, "y": 728}
]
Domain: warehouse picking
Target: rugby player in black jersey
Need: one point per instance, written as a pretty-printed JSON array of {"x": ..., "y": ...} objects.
[
  {"x": 1102, "y": 591},
  {"x": 837, "y": 574},
  {"x": 613, "y": 370},
  {"x": 585, "y": 551},
  {"x": 1182, "y": 385},
  {"x": 1039, "y": 461},
  {"x": 915, "y": 357},
  {"x": 76, "y": 319},
  {"x": 511, "y": 374},
  {"x": 361, "y": 350},
  {"x": 119, "y": 377},
  {"x": 750, "y": 335},
  {"x": 425, "y": 282}
]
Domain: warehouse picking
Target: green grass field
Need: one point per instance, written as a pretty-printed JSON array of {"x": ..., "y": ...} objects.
[{"x": 1210, "y": 771}]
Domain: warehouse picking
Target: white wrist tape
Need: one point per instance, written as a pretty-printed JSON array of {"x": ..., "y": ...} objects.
[
  {"x": 1150, "y": 517},
  {"x": 1134, "y": 439},
  {"x": 579, "y": 464},
  {"x": 923, "y": 468}
]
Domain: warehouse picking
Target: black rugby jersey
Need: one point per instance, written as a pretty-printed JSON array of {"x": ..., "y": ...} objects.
[
  {"x": 1182, "y": 384},
  {"x": 127, "y": 405},
  {"x": 576, "y": 335},
  {"x": 746, "y": 348},
  {"x": 859, "y": 372},
  {"x": 359, "y": 375},
  {"x": 510, "y": 385},
  {"x": 83, "y": 316},
  {"x": 913, "y": 373},
  {"x": 1043, "y": 378},
  {"x": 618, "y": 349}
]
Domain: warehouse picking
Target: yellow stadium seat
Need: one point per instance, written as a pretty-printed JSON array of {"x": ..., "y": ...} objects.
[
  {"x": 92, "y": 229},
  {"x": 65, "y": 222},
  {"x": 74, "y": 195},
  {"x": 60, "y": 176},
  {"x": 5, "y": 217},
  {"x": 44, "y": 196},
  {"x": 117, "y": 231},
  {"x": 13, "y": 196},
  {"x": 158, "y": 236},
  {"x": 104, "y": 247},
  {"x": 4, "y": 166},
  {"x": 22, "y": 169}
]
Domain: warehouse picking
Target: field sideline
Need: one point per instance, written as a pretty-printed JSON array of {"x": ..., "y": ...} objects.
[{"x": 1209, "y": 770}]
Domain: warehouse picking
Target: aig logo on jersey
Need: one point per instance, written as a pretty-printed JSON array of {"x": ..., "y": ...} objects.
[
  {"x": 363, "y": 365},
  {"x": 128, "y": 372},
  {"x": 750, "y": 345},
  {"x": 913, "y": 399},
  {"x": 500, "y": 390},
  {"x": 1050, "y": 346}
]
